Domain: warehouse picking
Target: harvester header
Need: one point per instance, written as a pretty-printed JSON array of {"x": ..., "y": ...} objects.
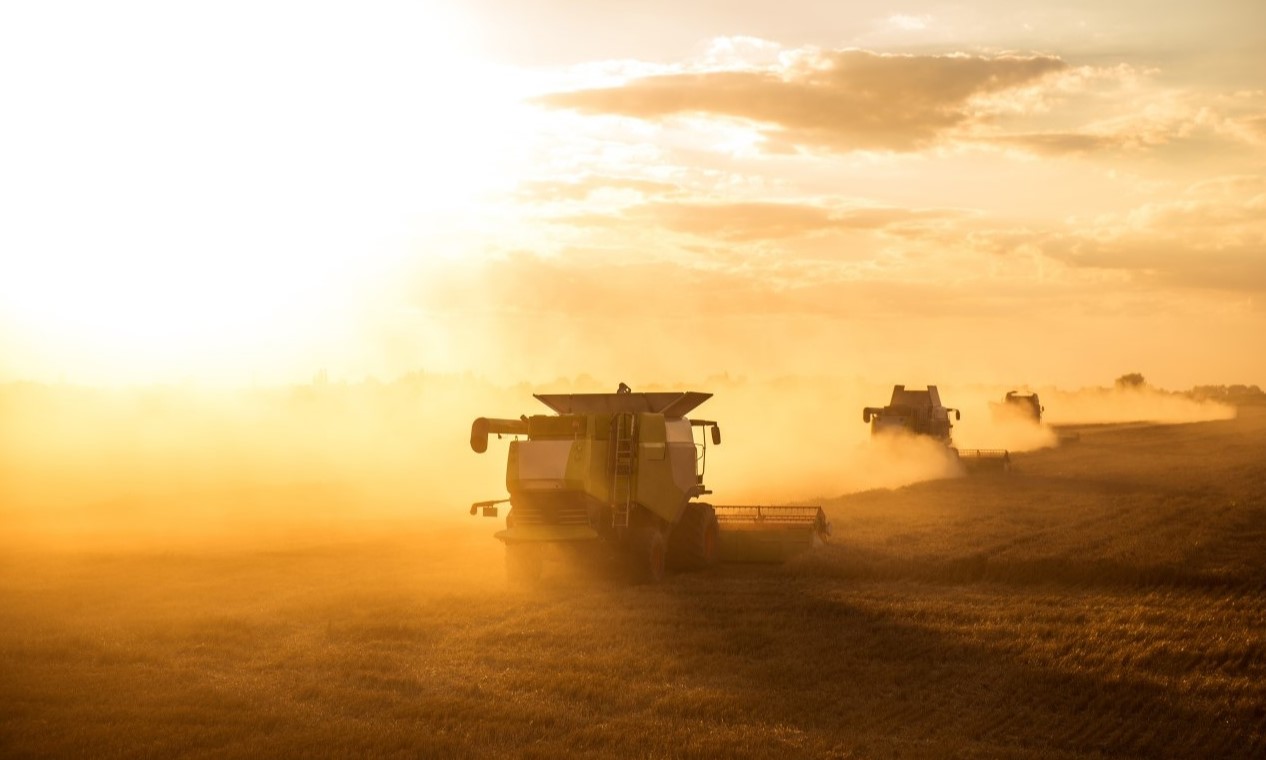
[{"x": 621, "y": 472}]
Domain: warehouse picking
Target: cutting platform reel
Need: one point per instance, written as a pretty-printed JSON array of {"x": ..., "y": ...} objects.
[
  {"x": 984, "y": 460},
  {"x": 769, "y": 533}
]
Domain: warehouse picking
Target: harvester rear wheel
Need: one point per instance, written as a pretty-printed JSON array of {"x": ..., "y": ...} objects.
[
  {"x": 523, "y": 563},
  {"x": 694, "y": 540},
  {"x": 649, "y": 555}
]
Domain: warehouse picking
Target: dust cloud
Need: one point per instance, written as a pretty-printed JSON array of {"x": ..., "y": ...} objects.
[
  {"x": 803, "y": 439},
  {"x": 177, "y": 464},
  {"x": 171, "y": 464},
  {"x": 1138, "y": 404},
  {"x": 988, "y": 422}
]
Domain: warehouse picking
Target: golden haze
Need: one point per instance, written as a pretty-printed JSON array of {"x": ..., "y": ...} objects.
[
  {"x": 169, "y": 466},
  {"x": 438, "y": 208}
]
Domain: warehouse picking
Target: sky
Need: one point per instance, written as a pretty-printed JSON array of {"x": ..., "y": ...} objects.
[{"x": 1014, "y": 193}]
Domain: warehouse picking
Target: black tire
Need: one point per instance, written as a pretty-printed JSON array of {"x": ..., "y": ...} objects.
[
  {"x": 523, "y": 564},
  {"x": 695, "y": 539},
  {"x": 648, "y": 555}
]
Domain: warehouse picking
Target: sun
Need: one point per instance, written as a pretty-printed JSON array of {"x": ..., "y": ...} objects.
[{"x": 198, "y": 192}]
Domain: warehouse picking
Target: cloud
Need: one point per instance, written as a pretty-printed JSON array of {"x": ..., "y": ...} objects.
[
  {"x": 750, "y": 222},
  {"x": 909, "y": 23},
  {"x": 849, "y": 101},
  {"x": 1172, "y": 262},
  {"x": 548, "y": 191},
  {"x": 841, "y": 101},
  {"x": 803, "y": 230},
  {"x": 596, "y": 285},
  {"x": 1250, "y": 128},
  {"x": 1213, "y": 237},
  {"x": 627, "y": 317},
  {"x": 812, "y": 256},
  {"x": 1060, "y": 143}
]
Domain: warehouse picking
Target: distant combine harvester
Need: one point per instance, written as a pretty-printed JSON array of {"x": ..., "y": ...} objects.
[{"x": 920, "y": 412}]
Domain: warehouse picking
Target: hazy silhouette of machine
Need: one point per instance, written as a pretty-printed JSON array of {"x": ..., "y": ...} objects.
[
  {"x": 920, "y": 412},
  {"x": 1021, "y": 406},
  {"x": 618, "y": 474}
]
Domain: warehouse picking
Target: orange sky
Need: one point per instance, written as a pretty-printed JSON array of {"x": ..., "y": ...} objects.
[{"x": 237, "y": 192}]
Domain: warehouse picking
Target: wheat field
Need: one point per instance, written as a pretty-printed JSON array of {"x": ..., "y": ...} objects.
[{"x": 1107, "y": 598}]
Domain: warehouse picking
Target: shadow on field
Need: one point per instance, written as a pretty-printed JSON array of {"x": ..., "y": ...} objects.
[
  {"x": 404, "y": 646},
  {"x": 1190, "y": 514},
  {"x": 867, "y": 565},
  {"x": 883, "y": 671}
]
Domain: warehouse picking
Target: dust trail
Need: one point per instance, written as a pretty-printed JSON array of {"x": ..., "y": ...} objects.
[
  {"x": 892, "y": 460},
  {"x": 989, "y": 422},
  {"x": 168, "y": 464},
  {"x": 1141, "y": 404},
  {"x": 803, "y": 438},
  {"x": 178, "y": 463}
]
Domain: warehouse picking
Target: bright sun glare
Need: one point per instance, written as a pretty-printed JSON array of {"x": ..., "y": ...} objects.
[{"x": 195, "y": 185}]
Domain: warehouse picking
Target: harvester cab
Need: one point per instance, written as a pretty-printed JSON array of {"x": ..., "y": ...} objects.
[
  {"x": 920, "y": 412},
  {"x": 917, "y": 412},
  {"x": 620, "y": 473},
  {"x": 1024, "y": 405}
]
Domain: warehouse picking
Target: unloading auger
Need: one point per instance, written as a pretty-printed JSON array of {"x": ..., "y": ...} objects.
[{"x": 622, "y": 472}]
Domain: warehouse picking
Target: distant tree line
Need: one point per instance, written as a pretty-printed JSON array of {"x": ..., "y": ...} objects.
[
  {"x": 1237, "y": 395},
  {"x": 1229, "y": 394},
  {"x": 1131, "y": 380}
]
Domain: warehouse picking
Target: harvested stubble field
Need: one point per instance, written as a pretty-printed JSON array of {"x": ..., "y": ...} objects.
[{"x": 1107, "y": 598}]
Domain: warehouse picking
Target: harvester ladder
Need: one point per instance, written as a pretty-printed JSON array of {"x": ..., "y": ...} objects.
[{"x": 622, "y": 469}]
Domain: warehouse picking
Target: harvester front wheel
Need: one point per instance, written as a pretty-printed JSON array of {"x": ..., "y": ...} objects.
[
  {"x": 523, "y": 563},
  {"x": 694, "y": 540},
  {"x": 649, "y": 555}
]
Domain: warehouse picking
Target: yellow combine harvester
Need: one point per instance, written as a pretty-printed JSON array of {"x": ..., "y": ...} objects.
[
  {"x": 920, "y": 412},
  {"x": 621, "y": 472},
  {"x": 1016, "y": 406}
]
